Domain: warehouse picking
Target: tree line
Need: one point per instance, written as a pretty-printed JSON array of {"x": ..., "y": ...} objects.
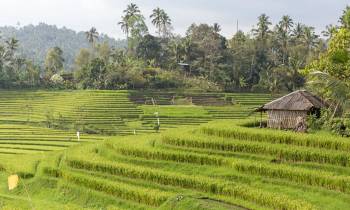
[{"x": 268, "y": 58}]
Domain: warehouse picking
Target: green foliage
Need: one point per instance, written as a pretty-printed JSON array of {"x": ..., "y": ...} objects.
[
  {"x": 201, "y": 83},
  {"x": 149, "y": 48},
  {"x": 267, "y": 60},
  {"x": 328, "y": 76},
  {"x": 161, "y": 21},
  {"x": 36, "y": 40},
  {"x": 345, "y": 18},
  {"x": 16, "y": 71},
  {"x": 167, "y": 79},
  {"x": 53, "y": 62},
  {"x": 93, "y": 74},
  {"x": 92, "y": 35},
  {"x": 336, "y": 57},
  {"x": 134, "y": 26}
]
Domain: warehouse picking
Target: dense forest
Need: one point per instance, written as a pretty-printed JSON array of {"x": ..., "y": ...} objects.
[{"x": 271, "y": 57}]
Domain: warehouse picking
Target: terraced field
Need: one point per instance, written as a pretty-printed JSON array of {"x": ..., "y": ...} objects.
[
  {"x": 114, "y": 113},
  {"x": 204, "y": 107},
  {"x": 155, "y": 97},
  {"x": 221, "y": 164},
  {"x": 102, "y": 112},
  {"x": 22, "y": 139},
  {"x": 43, "y": 121},
  {"x": 166, "y": 170}
]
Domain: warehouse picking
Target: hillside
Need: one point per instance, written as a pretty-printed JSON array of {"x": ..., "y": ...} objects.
[
  {"x": 120, "y": 112},
  {"x": 35, "y": 40},
  {"x": 196, "y": 161}
]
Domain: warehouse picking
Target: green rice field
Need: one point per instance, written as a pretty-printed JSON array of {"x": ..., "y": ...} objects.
[{"x": 204, "y": 157}]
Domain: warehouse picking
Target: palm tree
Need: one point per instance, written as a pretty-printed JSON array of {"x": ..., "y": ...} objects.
[
  {"x": 217, "y": 28},
  {"x": 12, "y": 44},
  {"x": 335, "y": 91},
  {"x": 176, "y": 49},
  {"x": 330, "y": 31},
  {"x": 9, "y": 50},
  {"x": 283, "y": 34},
  {"x": 92, "y": 35},
  {"x": 286, "y": 23},
  {"x": 187, "y": 48},
  {"x": 345, "y": 18},
  {"x": 263, "y": 27},
  {"x": 6, "y": 58},
  {"x": 295, "y": 64},
  {"x": 125, "y": 26},
  {"x": 157, "y": 19},
  {"x": 166, "y": 24},
  {"x": 131, "y": 15},
  {"x": 310, "y": 38},
  {"x": 161, "y": 21},
  {"x": 131, "y": 10},
  {"x": 298, "y": 31},
  {"x": 18, "y": 63}
]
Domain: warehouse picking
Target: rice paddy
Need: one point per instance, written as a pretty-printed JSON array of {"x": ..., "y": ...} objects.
[{"x": 196, "y": 161}]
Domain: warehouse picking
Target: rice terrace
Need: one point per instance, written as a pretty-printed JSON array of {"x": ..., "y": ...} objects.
[{"x": 169, "y": 110}]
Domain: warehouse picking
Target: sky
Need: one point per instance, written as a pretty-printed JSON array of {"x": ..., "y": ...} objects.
[{"x": 81, "y": 15}]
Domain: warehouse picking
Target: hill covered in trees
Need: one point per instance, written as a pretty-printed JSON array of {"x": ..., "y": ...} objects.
[{"x": 36, "y": 40}]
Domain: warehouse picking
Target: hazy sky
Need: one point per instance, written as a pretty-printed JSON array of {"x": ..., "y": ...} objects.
[{"x": 104, "y": 14}]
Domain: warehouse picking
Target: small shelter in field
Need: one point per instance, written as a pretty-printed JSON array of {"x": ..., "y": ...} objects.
[{"x": 287, "y": 112}]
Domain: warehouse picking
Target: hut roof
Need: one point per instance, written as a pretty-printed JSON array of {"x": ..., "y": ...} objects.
[{"x": 300, "y": 100}]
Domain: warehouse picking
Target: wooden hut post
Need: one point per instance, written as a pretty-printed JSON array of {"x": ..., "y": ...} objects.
[{"x": 260, "y": 119}]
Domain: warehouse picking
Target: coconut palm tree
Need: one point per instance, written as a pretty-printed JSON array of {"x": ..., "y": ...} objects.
[
  {"x": 125, "y": 26},
  {"x": 286, "y": 23},
  {"x": 92, "y": 35},
  {"x": 217, "y": 28},
  {"x": 131, "y": 20},
  {"x": 166, "y": 24},
  {"x": 157, "y": 16},
  {"x": 12, "y": 44},
  {"x": 335, "y": 91},
  {"x": 176, "y": 50},
  {"x": 283, "y": 35},
  {"x": 262, "y": 29},
  {"x": 187, "y": 48},
  {"x": 298, "y": 31},
  {"x": 131, "y": 10},
  {"x": 161, "y": 21},
  {"x": 310, "y": 38},
  {"x": 330, "y": 30}
]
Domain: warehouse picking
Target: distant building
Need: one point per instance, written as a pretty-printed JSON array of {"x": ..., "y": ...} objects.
[
  {"x": 67, "y": 76},
  {"x": 287, "y": 111},
  {"x": 185, "y": 67}
]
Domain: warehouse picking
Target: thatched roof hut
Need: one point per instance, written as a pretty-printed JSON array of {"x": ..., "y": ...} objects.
[{"x": 286, "y": 112}]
